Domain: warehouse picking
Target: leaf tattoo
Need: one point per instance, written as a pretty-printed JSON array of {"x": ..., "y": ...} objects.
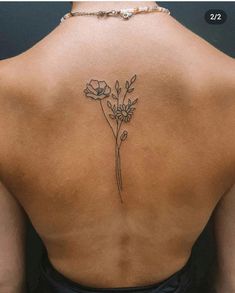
[{"x": 121, "y": 112}]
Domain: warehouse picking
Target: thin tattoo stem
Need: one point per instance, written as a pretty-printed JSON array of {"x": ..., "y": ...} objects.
[
  {"x": 119, "y": 168},
  {"x": 120, "y": 144},
  {"x": 117, "y": 100},
  {"x": 117, "y": 153},
  {"x": 106, "y": 118},
  {"x": 117, "y": 158},
  {"x": 125, "y": 95},
  {"x": 119, "y": 128},
  {"x": 117, "y": 161}
]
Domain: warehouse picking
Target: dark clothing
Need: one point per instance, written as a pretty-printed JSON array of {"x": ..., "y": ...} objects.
[{"x": 51, "y": 281}]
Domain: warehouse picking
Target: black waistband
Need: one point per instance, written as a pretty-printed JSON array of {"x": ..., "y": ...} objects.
[{"x": 51, "y": 281}]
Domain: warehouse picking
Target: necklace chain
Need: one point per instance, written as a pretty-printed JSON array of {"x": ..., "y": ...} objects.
[{"x": 122, "y": 13}]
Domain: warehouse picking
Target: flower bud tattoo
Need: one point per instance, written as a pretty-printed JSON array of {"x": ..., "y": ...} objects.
[{"x": 116, "y": 112}]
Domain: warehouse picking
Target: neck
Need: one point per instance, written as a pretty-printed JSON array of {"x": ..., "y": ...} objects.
[{"x": 108, "y": 5}]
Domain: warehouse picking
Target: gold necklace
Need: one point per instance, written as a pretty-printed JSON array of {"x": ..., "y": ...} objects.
[{"x": 122, "y": 13}]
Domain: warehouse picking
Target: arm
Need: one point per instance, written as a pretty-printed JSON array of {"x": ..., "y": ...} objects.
[
  {"x": 11, "y": 244},
  {"x": 225, "y": 239},
  {"x": 224, "y": 216},
  {"x": 12, "y": 232}
]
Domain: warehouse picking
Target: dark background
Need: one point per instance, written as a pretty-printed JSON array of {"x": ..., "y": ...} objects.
[{"x": 22, "y": 24}]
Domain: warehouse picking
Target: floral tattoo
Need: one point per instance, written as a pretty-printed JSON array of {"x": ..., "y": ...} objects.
[{"x": 116, "y": 112}]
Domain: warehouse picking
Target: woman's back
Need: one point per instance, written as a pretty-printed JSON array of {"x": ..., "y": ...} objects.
[{"x": 75, "y": 149}]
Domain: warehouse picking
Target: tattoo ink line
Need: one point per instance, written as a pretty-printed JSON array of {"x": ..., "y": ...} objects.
[
  {"x": 102, "y": 108},
  {"x": 121, "y": 112}
]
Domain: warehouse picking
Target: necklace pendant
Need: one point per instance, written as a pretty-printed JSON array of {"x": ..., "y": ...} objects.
[
  {"x": 126, "y": 15},
  {"x": 101, "y": 13}
]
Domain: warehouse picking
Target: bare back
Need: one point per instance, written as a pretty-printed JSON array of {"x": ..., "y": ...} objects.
[{"x": 177, "y": 160}]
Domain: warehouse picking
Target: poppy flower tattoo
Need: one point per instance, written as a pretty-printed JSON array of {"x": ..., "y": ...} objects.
[
  {"x": 97, "y": 90},
  {"x": 116, "y": 112}
]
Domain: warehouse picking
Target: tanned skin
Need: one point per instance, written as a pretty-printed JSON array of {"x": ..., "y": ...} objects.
[{"x": 57, "y": 151}]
